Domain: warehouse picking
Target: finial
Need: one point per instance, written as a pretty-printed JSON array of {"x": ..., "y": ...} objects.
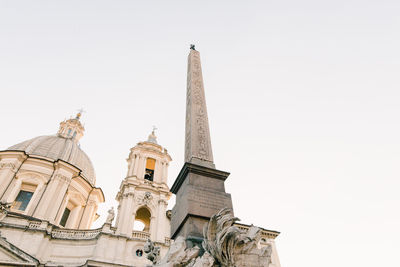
[
  {"x": 154, "y": 128},
  {"x": 80, "y": 112},
  {"x": 152, "y": 137},
  {"x": 192, "y": 47}
]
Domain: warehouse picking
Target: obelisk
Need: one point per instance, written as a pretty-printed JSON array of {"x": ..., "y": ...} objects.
[{"x": 199, "y": 187}]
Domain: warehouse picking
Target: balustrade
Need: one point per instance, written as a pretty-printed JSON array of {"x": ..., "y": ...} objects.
[
  {"x": 74, "y": 234},
  {"x": 140, "y": 235}
]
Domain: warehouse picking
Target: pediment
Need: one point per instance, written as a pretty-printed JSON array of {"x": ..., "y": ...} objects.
[{"x": 10, "y": 255}]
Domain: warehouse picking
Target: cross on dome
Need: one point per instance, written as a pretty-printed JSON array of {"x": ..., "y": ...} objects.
[{"x": 79, "y": 114}]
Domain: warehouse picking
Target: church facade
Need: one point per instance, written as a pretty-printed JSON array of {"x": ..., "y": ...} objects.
[{"x": 49, "y": 200}]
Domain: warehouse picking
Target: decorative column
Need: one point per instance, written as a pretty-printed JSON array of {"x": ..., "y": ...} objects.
[
  {"x": 133, "y": 219},
  {"x": 52, "y": 197},
  {"x": 141, "y": 167},
  {"x": 118, "y": 215},
  {"x": 62, "y": 208},
  {"x": 128, "y": 221},
  {"x": 153, "y": 226},
  {"x": 163, "y": 167},
  {"x": 12, "y": 191},
  {"x": 124, "y": 219},
  {"x": 161, "y": 221},
  {"x": 35, "y": 198},
  {"x": 122, "y": 214},
  {"x": 88, "y": 214},
  {"x": 130, "y": 167},
  {"x": 136, "y": 166},
  {"x": 166, "y": 165},
  {"x": 132, "y": 164},
  {"x": 158, "y": 172},
  {"x": 73, "y": 219},
  {"x": 55, "y": 196}
]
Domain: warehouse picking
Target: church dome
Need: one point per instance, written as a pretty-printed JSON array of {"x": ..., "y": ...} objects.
[
  {"x": 57, "y": 147},
  {"x": 63, "y": 146}
]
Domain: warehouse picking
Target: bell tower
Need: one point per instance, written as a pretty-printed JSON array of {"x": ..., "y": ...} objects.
[{"x": 144, "y": 193}]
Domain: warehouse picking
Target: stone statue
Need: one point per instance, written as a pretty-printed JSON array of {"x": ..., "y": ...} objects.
[
  {"x": 153, "y": 252},
  {"x": 4, "y": 208},
  {"x": 231, "y": 246},
  {"x": 225, "y": 245},
  {"x": 178, "y": 255},
  {"x": 111, "y": 215}
]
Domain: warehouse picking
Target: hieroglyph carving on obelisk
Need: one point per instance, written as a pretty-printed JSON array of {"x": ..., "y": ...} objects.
[{"x": 197, "y": 141}]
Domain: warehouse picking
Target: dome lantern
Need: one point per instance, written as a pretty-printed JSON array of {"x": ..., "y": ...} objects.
[{"x": 72, "y": 128}]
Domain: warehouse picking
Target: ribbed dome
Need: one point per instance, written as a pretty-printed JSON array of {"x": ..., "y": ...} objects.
[{"x": 58, "y": 147}]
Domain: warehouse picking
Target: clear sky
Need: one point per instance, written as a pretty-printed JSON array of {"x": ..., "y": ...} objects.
[{"x": 303, "y": 102}]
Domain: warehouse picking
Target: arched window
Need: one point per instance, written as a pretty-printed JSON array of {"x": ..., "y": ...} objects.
[
  {"x": 142, "y": 220},
  {"x": 24, "y": 197},
  {"x": 65, "y": 217},
  {"x": 71, "y": 211},
  {"x": 150, "y": 166}
]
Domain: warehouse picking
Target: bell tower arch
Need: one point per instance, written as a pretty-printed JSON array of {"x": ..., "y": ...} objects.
[{"x": 144, "y": 193}]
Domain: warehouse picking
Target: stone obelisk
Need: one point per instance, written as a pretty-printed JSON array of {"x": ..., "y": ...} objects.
[{"x": 199, "y": 187}]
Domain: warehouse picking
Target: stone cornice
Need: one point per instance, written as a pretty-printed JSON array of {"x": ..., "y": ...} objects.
[
  {"x": 142, "y": 147},
  {"x": 144, "y": 184},
  {"x": 27, "y": 259},
  {"x": 197, "y": 169},
  {"x": 59, "y": 163},
  {"x": 98, "y": 193},
  {"x": 21, "y": 155},
  {"x": 270, "y": 234}
]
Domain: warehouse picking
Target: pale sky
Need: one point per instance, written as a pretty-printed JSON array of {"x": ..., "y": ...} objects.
[{"x": 303, "y": 103}]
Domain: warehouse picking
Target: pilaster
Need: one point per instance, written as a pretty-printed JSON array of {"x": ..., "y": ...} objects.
[
  {"x": 141, "y": 167},
  {"x": 153, "y": 226},
  {"x": 51, "y": 201},
  {"x": 158, "y": 172},
  {"x": 73, "y": 219},
  {"x": 128, "y": 221},
  {"x": 136, "y": 167},
  {"x": 7, "y": 173},
  {"x": 125, "y": 213},
  {"x": 161, "y": 220},
  {"x": 12, "y": 191},
  {"x": 88, "y": 215}
]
